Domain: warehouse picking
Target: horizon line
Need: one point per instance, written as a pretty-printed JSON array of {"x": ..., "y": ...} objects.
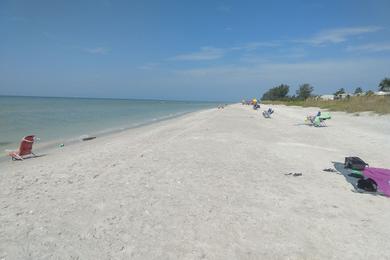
[{"x": 113, "y": 98}]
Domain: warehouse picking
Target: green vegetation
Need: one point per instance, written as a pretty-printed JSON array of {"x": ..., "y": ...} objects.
[
  {"x": 358, "y": 90},
  {"x": 339, "y": 92},
  {"x": 277, "y": 93},
  {"x": 351, "y": 104},
  {"x": 378, "y": 104},
  {"x": 304, "y": 91},
  {"x": 385, "y": 85}
]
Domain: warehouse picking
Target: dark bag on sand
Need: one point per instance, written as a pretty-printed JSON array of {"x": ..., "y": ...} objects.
[
  {"x": 355, "y": 163},
  {"x": 367, "y": 185}
]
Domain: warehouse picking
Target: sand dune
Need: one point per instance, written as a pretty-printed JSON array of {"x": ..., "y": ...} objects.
[{"x": 208, "y": 185}]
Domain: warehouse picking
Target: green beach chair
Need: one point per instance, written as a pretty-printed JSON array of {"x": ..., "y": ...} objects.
[{"x": 319, "y": 119}]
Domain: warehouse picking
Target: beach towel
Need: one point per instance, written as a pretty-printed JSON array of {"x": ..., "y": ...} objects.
[{"x": 381, "y": 177}]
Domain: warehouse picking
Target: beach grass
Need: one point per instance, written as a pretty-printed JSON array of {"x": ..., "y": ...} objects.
[{"x": 377, "y": 104}]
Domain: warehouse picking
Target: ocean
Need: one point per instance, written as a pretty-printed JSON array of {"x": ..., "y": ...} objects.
[{"x": 63, "y": 120}]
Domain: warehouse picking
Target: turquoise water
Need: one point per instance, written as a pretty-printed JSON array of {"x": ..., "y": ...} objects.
[{"x": 58, "y": 120}]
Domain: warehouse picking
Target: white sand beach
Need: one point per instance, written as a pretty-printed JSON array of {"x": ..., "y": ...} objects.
[{"x": 207, "y": 185}]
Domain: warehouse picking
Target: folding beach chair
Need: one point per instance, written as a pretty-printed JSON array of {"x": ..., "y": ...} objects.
[
  {"x": 319, "y": 119},
  {"x": 25, "y": 149},
  {"x": 268, "y": 113}
]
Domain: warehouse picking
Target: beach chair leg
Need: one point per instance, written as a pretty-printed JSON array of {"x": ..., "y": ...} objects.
[
  {"x": 16, "y": 157},
  {"x": 13, "y": 156}
]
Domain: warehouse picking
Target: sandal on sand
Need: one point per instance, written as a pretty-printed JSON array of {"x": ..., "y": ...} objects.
[{"x": 294, "y": 174}]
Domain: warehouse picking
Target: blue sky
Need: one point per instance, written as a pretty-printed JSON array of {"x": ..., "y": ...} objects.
[{"x": 192, "y": 50}]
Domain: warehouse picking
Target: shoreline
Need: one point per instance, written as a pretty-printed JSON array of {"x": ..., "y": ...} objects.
[
  {"x": 70, "y": 119},
  {"x": 212, "y": 184},
  {"x": 44, "y": 147}
]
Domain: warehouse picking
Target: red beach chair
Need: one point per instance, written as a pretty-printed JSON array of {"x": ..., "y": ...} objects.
[{"x": 24, "y": 149}]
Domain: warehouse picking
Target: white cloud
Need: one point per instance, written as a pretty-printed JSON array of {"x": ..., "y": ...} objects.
[
  {"x": 283, "y": 53},
  {"x": 149, "y": 66},
  {"x": 251, "y": 46},
  {"x": 371, "y": 47},
  {"x": 339, "y": 35},
  {"x": 212, "y": 53},
  {"x": 205, "y": 53},
  {"x": 325, "y": 75},
  {"x": 294, "y": 53},
  {"x": 97, "y": 50}
]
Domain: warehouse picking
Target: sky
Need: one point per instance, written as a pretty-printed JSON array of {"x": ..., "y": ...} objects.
[{"x": 190, "y": 50}]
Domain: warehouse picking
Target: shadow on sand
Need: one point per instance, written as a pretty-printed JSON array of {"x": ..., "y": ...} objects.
[
  {"x": 31, "y": 157},
  {"x": 310, "y": 125}
]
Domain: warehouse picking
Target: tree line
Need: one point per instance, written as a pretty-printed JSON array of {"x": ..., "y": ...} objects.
[{"x": 306, "y": 90}]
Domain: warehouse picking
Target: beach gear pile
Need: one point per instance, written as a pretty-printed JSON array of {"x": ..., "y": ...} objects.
[
  {"x": 319, "y": 119},
  {"x": 253, "y": 102},
  {"x": 369, "y": 178}
]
